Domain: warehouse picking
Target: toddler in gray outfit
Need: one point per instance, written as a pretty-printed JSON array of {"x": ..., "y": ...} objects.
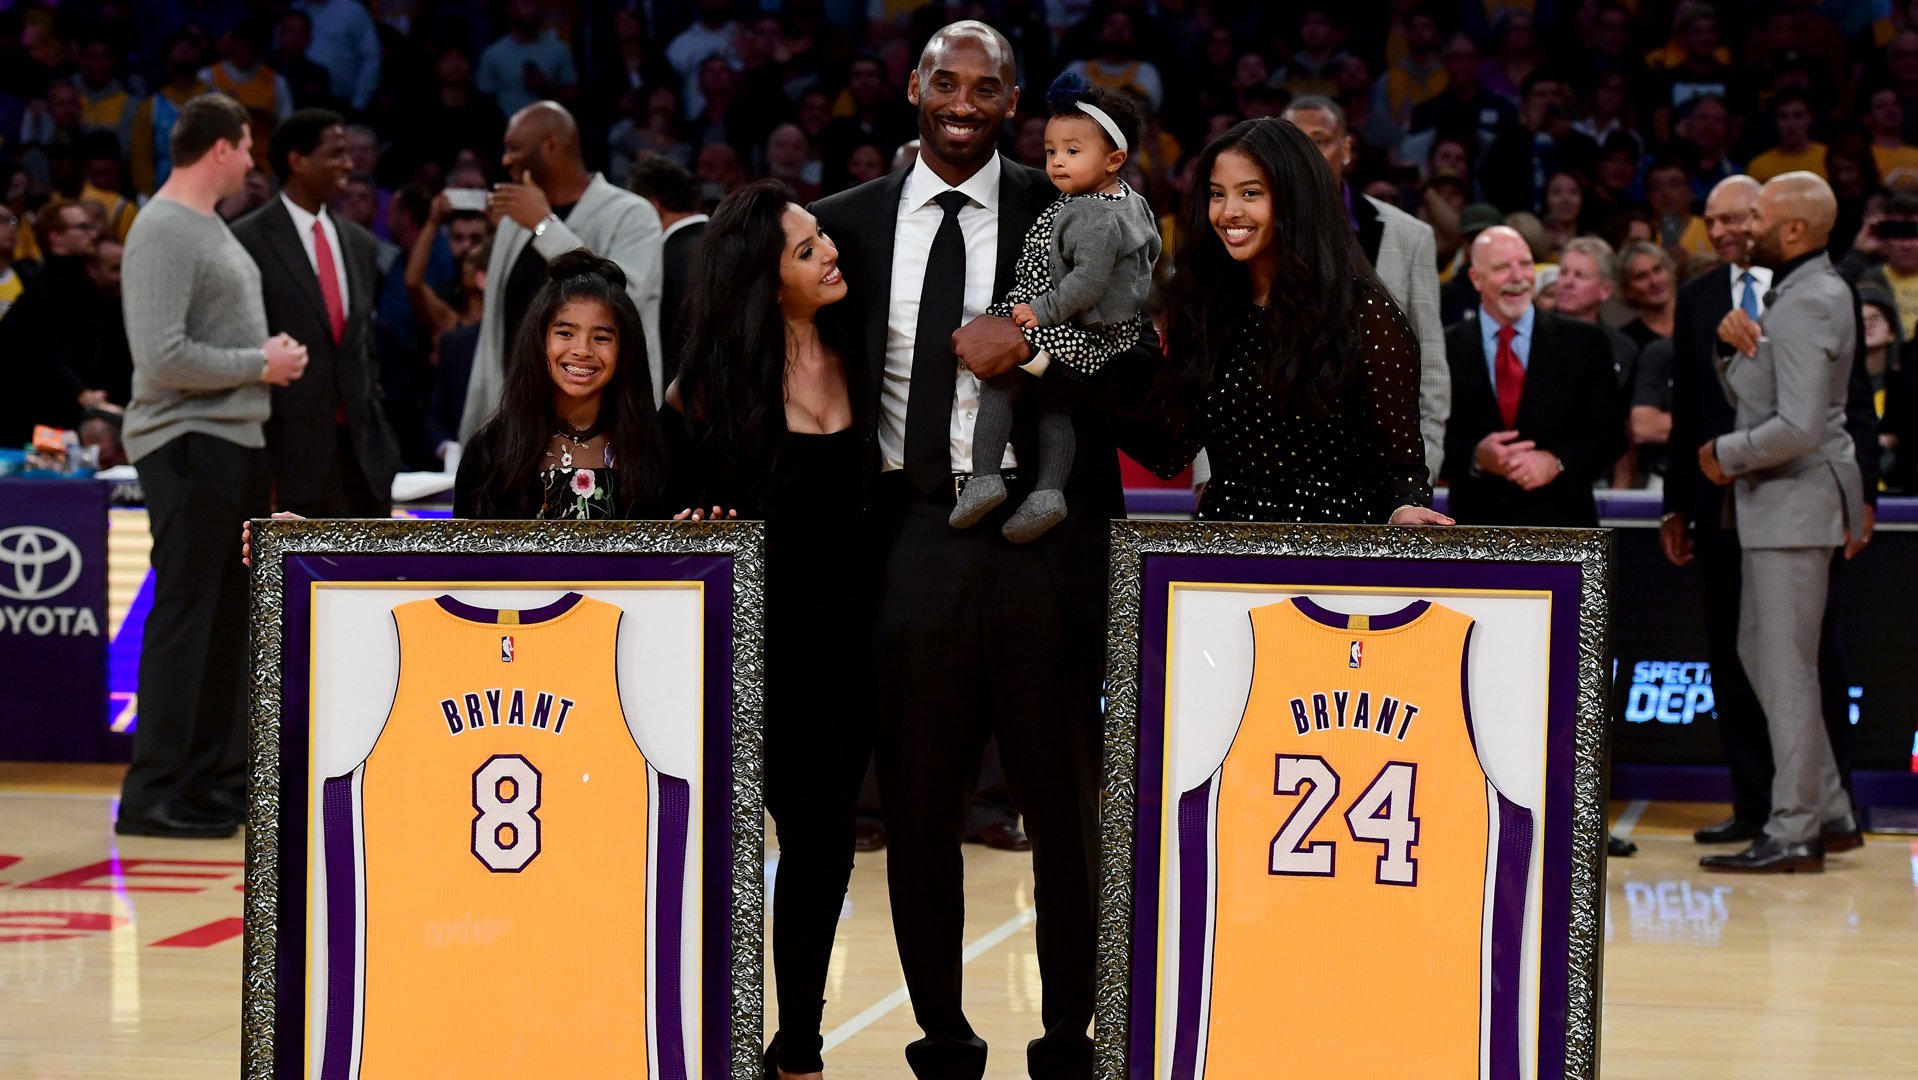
[{"x": 1086, "y": 261}]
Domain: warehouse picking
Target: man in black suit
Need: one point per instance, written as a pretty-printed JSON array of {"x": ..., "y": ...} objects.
[
  {"x": 328, "y": 443},
  {"x": 675, "y": 194},
  {"x": 1526, "y": 440},
  {"x": 1696, "y": 527},
  {"x": 976, "y": 635}
]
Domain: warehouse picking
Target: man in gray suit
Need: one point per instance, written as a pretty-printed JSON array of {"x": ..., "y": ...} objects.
[
  {"x": 1403, "y": 253},
  {"x": 1796, "y": 494}
]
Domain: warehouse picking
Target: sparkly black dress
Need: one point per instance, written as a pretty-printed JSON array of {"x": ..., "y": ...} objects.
[{"x": 1270, "y": 462}]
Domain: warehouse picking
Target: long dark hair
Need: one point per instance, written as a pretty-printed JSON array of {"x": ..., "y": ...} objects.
[
  {"x": 515, "y": 439},
  {"x": 732, "y": 375},
  {"x": 1310, "y": 321}
]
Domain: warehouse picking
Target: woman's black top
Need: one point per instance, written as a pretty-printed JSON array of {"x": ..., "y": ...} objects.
[
  {"x": 553, "y": 494},
  {"x": 1271, "y": 462}
]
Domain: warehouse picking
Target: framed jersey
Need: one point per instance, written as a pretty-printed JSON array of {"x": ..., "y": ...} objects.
[
  {"x": 505, "y": 817},
  {"x": 1354, "y": 817}
]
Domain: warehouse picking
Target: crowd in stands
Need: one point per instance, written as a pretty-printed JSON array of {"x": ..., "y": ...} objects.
[{"x": 1596, "y": 128}]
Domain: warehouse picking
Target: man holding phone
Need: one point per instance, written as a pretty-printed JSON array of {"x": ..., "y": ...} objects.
[
  {"x": 553, "y": 205},
  {"x": 1897, "y": 236}
]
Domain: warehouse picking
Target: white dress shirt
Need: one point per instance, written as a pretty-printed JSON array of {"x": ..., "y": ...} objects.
[
  {"x": 689, "y": 219},
  {"x": 303, "y": 224},
  {"x": 1761, "y": 284},
  {"x": 919, "y": 220}
]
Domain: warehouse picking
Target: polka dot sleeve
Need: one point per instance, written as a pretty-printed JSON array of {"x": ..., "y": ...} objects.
[{"x": 1389, "y": 378}]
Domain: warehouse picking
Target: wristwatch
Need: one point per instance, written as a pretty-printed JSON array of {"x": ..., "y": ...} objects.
[{"x": 544, "y": 223}]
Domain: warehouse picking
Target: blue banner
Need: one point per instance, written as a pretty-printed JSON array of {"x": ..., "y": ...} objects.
[{"x": 53, "y": 620}]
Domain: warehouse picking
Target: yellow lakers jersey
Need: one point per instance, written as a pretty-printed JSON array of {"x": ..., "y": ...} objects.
[
  {"x": 1364, "y": 881},
  {"x": 499, "y": 887}
]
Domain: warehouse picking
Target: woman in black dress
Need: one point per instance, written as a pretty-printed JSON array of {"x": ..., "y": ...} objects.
[
  {"x": 576, "y": 435},
  {"x": 769, "y": 429},
  {"x": 1287, "y": 360}
]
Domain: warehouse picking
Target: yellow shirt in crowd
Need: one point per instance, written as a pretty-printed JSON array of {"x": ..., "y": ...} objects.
[
  {"x": 1905, "y": 288},
  {"x": 1777, "y": 162},
  {"x": 1897, "y": 165}
]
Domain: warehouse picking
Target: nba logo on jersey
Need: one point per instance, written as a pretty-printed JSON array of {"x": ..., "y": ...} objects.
[
  {"x": 506, "y": 650},
  {"x": 1357, "y": 653}
]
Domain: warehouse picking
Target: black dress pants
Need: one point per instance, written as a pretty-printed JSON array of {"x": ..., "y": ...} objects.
[
  {"x": 189, "y": 747},
  {"x": 818, "y": 741},
  {"x": 974, "y": 639},
  {"x": 1741, "y": 720}
]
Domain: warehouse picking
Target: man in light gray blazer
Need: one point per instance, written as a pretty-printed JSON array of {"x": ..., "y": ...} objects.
[
  {"x": 551, "y": 206},
  {"x": 1797, "y": 494},
  {"x": 1404, "y": 255}
]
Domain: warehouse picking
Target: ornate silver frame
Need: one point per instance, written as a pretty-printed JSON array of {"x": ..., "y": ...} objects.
[
  {"x": 1132, "y": 541},
  {"x": 273, "y": 540}
]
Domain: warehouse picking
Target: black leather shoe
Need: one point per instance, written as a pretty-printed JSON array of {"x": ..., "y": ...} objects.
[
  {"x": 177, "y": 823},
  {"x": 1768, "y": 856},
  {"x": 1732, "y": 830},
  {"x": 1004, "y": 838},
  {"x": 226, "y": 802},
  {"x": 1841, "y": 836},
  {"x": 868, "y": 836},
  {"x": 1619, "y": 847}
]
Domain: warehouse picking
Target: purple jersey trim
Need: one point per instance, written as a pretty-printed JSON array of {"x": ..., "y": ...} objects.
[
  {"x": 490, "y": 616},
  {"x": 675, "y": 808},
  {"x": 342, "y": 925},
  {"x": 1337, "y": 620},
  {"x": 1195, "y": 811},
  {"x": 1508, "y": 935},
  {"x": 1465, "y": 686}
]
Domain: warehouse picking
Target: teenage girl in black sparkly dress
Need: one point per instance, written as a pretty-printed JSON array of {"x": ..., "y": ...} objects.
[{"x": 1287, "y": 359}]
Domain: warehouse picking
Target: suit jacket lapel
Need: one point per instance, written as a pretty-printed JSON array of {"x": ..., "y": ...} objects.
[
  {"x": 1018, "y": 209},
  {"x": 359, "y": 289},
  {"x": 878, "y": 242},
  {"x": 291, "y": 251},
  {"x": 1477, "y": 382},
  {"x": 1539, "y": 374}
]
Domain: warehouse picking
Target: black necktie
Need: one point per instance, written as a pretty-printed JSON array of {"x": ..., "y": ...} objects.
[{"x": 934, "y": 368}]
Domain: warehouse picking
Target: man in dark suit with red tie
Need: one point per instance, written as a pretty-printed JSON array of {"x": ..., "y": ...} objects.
[
  {"x": 1535, "y": 417},
  {"x": 330, "y": 449},
  {"x": 977, "y": 635}
]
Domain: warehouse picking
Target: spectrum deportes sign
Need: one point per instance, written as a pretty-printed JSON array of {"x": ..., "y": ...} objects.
[{"x": 1669, "y": 692}]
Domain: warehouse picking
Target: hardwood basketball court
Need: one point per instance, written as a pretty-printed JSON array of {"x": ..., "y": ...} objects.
[{"x": 114, "y": 967}]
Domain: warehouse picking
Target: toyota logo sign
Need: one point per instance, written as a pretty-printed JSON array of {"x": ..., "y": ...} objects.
[{"x": 36, "y": 563}]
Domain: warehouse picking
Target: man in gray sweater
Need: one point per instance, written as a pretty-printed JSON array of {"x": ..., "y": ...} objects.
[{"x": 202, "y": 368}]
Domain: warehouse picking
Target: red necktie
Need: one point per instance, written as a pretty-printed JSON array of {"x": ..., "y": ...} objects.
[
  {"x": 329, "y": 282},
  {"x": 1511, "y": 376}
]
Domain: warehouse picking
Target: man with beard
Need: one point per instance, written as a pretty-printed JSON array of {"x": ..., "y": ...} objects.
[
  {"x": 1694, "y": 526},
  {"x": 1797, "y": 496},
  {"x": 924, "y": 251},
  {"x": 550, "y": 206},
  {"x": 328, "y": 443},
  {"x": 1535, "y": 415}
]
